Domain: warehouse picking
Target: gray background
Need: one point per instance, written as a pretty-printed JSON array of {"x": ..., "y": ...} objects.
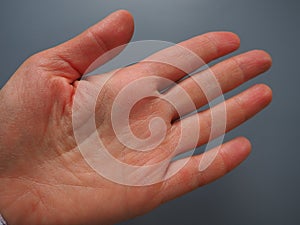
[{"x": 263, "y": 190}]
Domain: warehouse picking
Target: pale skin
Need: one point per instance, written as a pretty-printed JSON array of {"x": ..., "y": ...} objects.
[{"x": 43, "y": 177}]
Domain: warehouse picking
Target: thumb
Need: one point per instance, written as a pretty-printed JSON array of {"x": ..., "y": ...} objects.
[{"x": 80, "y": 52}]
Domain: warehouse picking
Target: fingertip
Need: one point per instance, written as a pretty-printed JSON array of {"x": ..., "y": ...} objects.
[
  {"x": 125, "y": 15},
  {"x": 122, "y": 22},
  {"x": 255, "y": 99},
  {"x": 227, "y": 41},
  {"x": 244, "y": 147},
  {"x": 244, "y": 144},
  {"x": 230, "y": 37},
  {"x": 235, "y": 152},
  {"x": 233, "y": 37},
  {"x": 122, "y": 11},
  {"x": 265, "y": 93},
  {"x": 264, "y": 57},
  {"x": 254, "y": 63},
  {"x": 113, "y": 31}
]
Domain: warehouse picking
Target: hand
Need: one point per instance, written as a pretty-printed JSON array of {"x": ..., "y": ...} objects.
[{"x": 44, "y": 178}]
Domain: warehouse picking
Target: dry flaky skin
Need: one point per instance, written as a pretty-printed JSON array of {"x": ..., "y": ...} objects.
[{"x": 43, "y": 176}]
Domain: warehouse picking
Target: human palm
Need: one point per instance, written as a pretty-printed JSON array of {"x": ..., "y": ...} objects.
[{"x": 46, "y": 174}]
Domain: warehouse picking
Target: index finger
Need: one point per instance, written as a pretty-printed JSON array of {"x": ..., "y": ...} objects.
[{"x": 179, "y": 60}]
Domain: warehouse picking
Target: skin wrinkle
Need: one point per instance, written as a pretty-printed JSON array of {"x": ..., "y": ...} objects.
[
  {"x": 40, "y": 200},
  {"x": 34, "y": 189},
  {"x": 204, "y": 178},
  {"x": 55, "y": 64},
  {"x": 11, "y": 204},
  {"x": 240, "y": 107},
  {"x": 240, "y": 69},
  {"x": 35, "y": 184},
  {"x": 69, "y": 64},
  {"x": 206, "y": 119},
  {"x": 152, "y": 156},
  {"x": 211, "y": 41},
  {"x": 183, "y": 178},
  {"x": 98, "y": 40}
]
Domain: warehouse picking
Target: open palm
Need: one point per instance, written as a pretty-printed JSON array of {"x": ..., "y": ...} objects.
[{"x": 50, "y": 170}]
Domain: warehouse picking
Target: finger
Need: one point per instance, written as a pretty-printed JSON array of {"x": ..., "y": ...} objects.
[
  {"x": 221, "y": 78},
  {"x": 235, "y": 111},
  {"x": 80, "y": 52},
  {"x": 228, "y": 156},
  {"x": 175, "y": 62}
]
